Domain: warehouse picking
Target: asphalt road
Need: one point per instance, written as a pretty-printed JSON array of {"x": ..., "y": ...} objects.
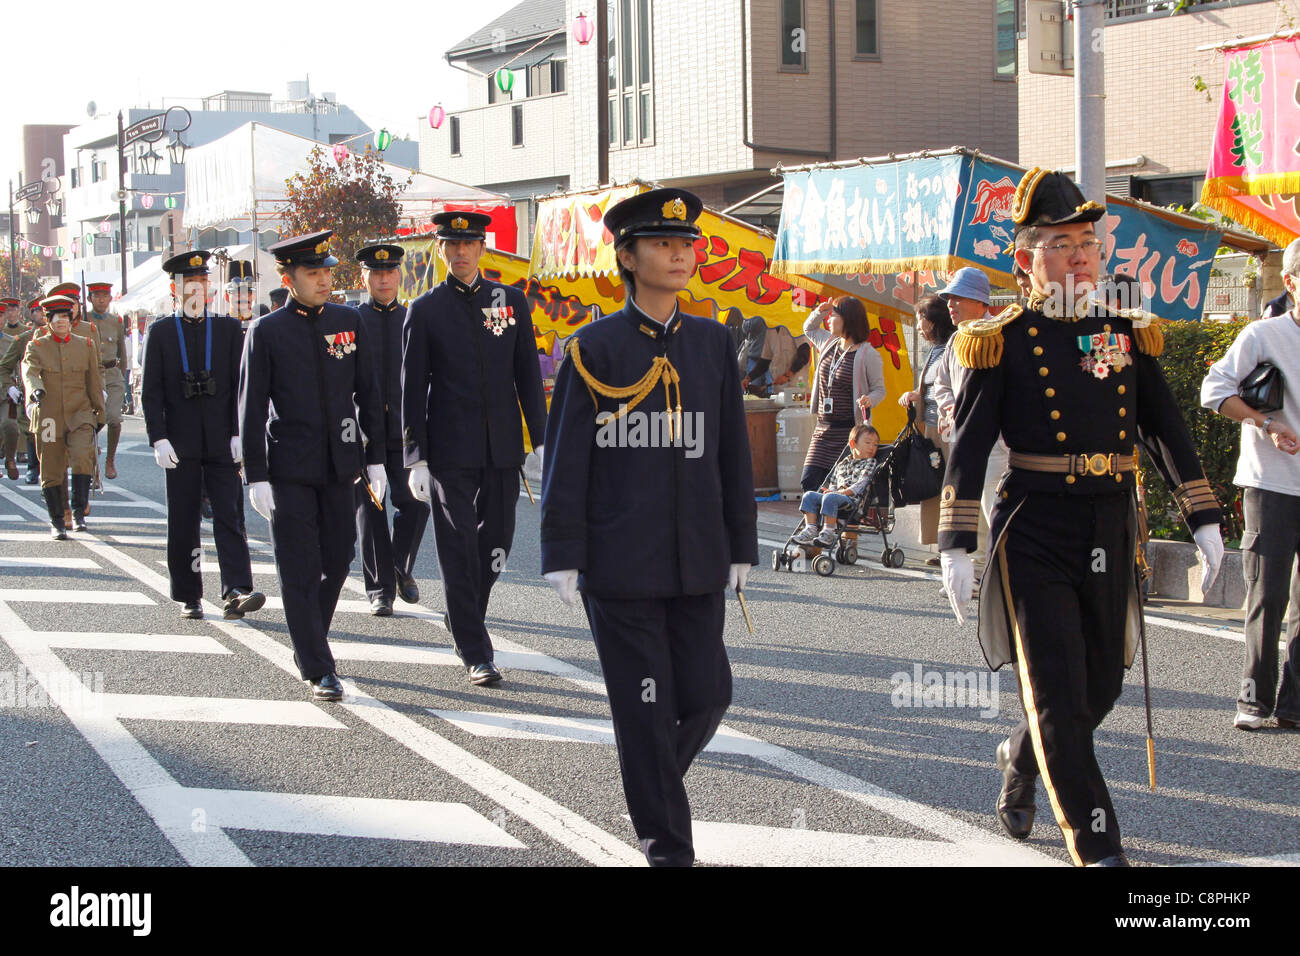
[{"x": 129, "y": 736}]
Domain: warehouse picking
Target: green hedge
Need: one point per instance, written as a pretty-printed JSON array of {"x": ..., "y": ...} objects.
[{"x": 1190, "y": 349}]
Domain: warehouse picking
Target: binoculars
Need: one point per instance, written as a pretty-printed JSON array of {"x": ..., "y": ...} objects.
[{"x": 197, "y": 384}]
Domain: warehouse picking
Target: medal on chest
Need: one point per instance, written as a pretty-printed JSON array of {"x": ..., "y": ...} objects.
[
  {"x": 1104, "y": 353},
  {"x": 498, "y": 318},
  {"x": 339, "y": 344}
]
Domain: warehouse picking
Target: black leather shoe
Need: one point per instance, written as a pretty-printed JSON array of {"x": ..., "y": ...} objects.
[
  {"x": 192, "y": 610},
  {"x": 327, "y": 688},
  {"x": 1284, "y": 723},
  {"x": 241, "y": 601},
  {"x": 381, "y": 607},
  {"x": 484, "y": 674},
  {"x": 1015, "y": 804},
  {"x": 1119, "y": 859},
  {"x": 407, "y": 589}
]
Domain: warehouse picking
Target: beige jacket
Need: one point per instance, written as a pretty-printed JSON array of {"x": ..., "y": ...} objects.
[{"x": 69, "y": 374}]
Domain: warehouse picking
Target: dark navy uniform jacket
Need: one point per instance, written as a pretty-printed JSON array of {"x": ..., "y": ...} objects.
[
  {"x": 649, "y": 522},
  {"x": 199, "y": 427},
  {"x": 469, "y": 364},
  {"x": 383, "y": 325},
  {"x": 306, "y": 383},
  {"x": 1047, "y": 397}
]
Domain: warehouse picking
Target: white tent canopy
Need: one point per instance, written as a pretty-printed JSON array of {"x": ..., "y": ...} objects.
[
  {"x": 151, "y": 287},
  {"x": 245, "y": 170}
]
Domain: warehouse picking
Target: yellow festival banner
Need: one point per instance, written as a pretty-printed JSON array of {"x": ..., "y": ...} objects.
[{"x": 730, "y": 285}]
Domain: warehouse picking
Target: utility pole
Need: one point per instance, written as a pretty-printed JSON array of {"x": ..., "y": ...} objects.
[
  {"x": 13, "y": 245},
  {"x": 602, "y": 92},
  {"x": 121, "y": 202},
  {"x": 1090, "y": 98}
]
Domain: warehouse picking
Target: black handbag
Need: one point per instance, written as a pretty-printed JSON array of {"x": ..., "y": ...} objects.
[
  {"x": 1262, "y": 388},
  {"x": 918, "y": 466}
]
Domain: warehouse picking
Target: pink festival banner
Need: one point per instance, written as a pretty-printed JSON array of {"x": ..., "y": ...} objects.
[{"x": 1254, "y": 171}]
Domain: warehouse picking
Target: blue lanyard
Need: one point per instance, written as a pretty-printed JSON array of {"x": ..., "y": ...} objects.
[{"x": 180, "y": 337}]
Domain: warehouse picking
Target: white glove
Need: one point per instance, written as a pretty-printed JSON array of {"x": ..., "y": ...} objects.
[
  {"x": 259, "y": 493},
  {"x": 16, "y": 396},
  {"x": 537, "y": 450},
  {"x": 737, "y": 576},
  {"x": 565, "y": 584},
  {"x": 236, "y": 448},
  {"x": 421, "y": 482},
  {"x": 958, "y": 579},
  {"x": 1210, "y": 543},
  {"x": 377, "y": 478},
  {"x": 164, "y": 454}
]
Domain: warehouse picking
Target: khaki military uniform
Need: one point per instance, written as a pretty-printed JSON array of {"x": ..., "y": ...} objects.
[
  {"x": 73, "y": 404},
  {"x": 112, "y": 360},
  {"x": 11, "y": 413}
]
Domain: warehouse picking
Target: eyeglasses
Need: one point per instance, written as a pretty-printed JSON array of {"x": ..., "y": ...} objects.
[{"x": 1089, "y": 247}]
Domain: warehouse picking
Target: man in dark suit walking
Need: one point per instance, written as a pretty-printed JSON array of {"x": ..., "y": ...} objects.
[{"x": 469, "y": 364}]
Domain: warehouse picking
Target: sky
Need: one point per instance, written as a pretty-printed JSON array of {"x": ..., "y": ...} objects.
[{"x": 389, "y": 68}]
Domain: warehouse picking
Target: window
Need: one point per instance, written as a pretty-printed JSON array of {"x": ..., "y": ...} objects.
[
  {"x": 155, "y": 239},
  {"x": 546, "y": 78},
  {"x": 1170, "y": 190},
  {"x": 76, "y": 177},
  {"x": 631, "y": 73},
  {"x": 868, "y": 43},
  {"x": 516, "y": 126},
  {"x": 558, "y": 75},
  {"x": 455, "y": 135},
  {"x": 1005, "y": 14},
  {"x": 794, "y": 38}
]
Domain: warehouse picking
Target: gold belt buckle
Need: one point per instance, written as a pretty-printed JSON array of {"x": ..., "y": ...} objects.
[{"x": 1099, "y": 464}]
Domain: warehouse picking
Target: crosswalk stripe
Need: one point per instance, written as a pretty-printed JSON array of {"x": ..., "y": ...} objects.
[
  {"x": 151, "y": 540},
  {"x": 442, "y": 656},
  {"x": 67, "y": 596},
  {"x": 423, "y": 821},
  {"x": 213, "y": 710},
  {"x": 154, "y": 643},
  {"x": 256, "y": 567},
  {"x": 104, "y": 503},
  {"x": 23, "y": 536},
  {"x": 276, "y": 603},
  {"x": 64, "y": 564}
]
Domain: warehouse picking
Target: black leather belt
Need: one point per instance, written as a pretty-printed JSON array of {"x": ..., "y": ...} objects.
[{"x": 111, "y": 363}]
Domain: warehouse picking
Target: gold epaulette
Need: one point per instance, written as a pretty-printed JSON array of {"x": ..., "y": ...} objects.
[
  {"x": 979, "y": 341},
  {"x": 1146, "y": 330}
]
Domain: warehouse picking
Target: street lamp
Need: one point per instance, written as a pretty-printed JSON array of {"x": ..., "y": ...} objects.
[
  {"x": 34, "y": 215},
  {"x": 151, "y": 129},
  {"x": 176, "y": 150},
  {"x": 149, "y": 161}
]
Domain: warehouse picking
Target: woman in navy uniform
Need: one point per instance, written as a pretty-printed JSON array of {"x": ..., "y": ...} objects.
[
  {"x": 388, "y": 562},
  {"x": 305, "y": 380},
  {"x": 1073, "y": 386},
  {"x": 188, "y": 389},
  {"x": 469, "y": 365},
  {"x": 654, "y": 520}
]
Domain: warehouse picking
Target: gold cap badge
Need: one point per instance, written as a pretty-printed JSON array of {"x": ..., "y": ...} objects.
[
  {"x": 196, "y": 260},
  {"x": 676, "y": 209},
  {"x": 322, "y": 247},
  {"x": 459, "y": 223},
  {"x": 381, "y": 254}
]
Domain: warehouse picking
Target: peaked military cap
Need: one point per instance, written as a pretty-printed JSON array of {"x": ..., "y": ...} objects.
[
  {"x": 310, "y": 250},
  {"x": 9, "y": 302},
  {"x": 34, "y": 304},
  {"x": 192, "y": 263},
  {"x": 239, "y": 269},
  {"x": 381, "y": 255},
  {"x": 99, "y": 287},
  {"x": 1051, "y": 199},
  {"x": 658, "y": 212},
  {"x": 57, "y": 304},
  {"x": 70, "y": 289},
  {"x": 466, "y": 226}
]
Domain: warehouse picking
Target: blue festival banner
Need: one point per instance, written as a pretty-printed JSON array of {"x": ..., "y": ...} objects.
[{"x": 936, "y": 214}]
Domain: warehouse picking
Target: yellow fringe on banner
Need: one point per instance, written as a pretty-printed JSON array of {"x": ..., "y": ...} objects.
[{"x": 783, "y": 268}]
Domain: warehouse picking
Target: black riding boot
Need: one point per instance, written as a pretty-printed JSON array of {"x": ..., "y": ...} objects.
[
  {"x": 80, "y": 498},
  {"x": 54, "y": 503}
]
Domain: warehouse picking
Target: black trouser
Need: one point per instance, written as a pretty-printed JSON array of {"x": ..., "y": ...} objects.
[
  {"x": 1269, "y": 547},
  {"x": 1068, "y": 569},
  {"x": 812, "y": 477},
  {"x": 185, "y": 484},
  {"x": 669, "y": 683},
  {"x": 314, "y": 538},
  {"x": 473, "y": 527},
  {"x": 33, "y": 460},
  {"x": 380, "y": 554}
]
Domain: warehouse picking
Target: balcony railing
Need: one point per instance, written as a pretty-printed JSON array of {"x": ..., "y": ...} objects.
[{"x": 1127, "y": 9}]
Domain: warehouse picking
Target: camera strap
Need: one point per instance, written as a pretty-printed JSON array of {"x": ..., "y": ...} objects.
[{"x": 207, "y": 355}]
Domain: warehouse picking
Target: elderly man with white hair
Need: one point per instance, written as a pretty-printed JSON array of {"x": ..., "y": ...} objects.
[{"x": 1268, "y": 472}]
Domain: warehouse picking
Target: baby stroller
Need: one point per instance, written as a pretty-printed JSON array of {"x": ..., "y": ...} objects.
[{"x": 870, "y": 513}]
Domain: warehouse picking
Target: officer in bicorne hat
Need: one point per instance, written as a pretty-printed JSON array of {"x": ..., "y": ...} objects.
[
  {"x": 469, "y": 366},
  {"x": 112, "y": 359},
  {"x": 648, "y": 510},
  {"x": 307, "y": 377},
  {"x": 388, "y": 561},
  {"x": 65, "y": 406},
  {"x": 188, "y": 391},
  {"x": 1073, "y": 386}
]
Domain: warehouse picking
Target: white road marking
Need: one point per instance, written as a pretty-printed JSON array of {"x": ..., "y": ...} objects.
[
  {"x": 739, "y": 844},
  {"x": 1279, "y": 859},
  {"x": 24, "y": 536},
  {"x": 213, "y": 710},
  {"x": 105, "y": 503},
  {"x": 149, "y": 540},
  {"x": 65, "y": 596},
  {"x": 276, "y": 603},
  {"x": 153, "y": 643},
  {"x": 213, "y": 567},
  {"x": 65, "y": 564}
]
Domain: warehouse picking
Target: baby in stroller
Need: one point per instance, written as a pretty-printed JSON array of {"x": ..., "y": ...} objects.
[{"x": 847, "y": 482}]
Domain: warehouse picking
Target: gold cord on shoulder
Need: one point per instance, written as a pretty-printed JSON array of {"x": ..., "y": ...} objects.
[{"x": 661, "y": 369}]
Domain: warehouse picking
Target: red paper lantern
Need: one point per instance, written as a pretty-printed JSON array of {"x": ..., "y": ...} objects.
[
  {"x": 340, "y": 153},
  {"x": 436, "y": 116},
  {"x": 146, "y": 201},
  {"x": 583, "y": 30}
]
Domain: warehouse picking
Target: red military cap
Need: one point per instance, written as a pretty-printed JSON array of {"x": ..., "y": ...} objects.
[
  {"x": 99, "y": 287},
  {"x": 70, "y": 289}
]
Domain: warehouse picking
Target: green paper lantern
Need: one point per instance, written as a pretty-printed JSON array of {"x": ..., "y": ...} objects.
[
  {"x": 505, "y": 80},
  {"x": 59, "y": 252},
  {"x": 90, "y": 238},
  {"x": 383, "y": 139},
  {"x": 170, "y": 202}
]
